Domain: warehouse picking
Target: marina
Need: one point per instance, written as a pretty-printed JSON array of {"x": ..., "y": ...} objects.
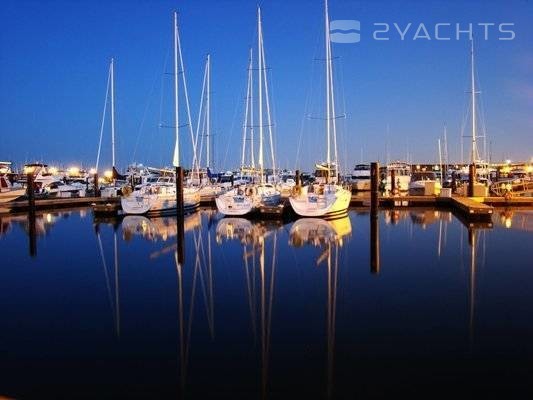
[{"x": 272, "y": 200}]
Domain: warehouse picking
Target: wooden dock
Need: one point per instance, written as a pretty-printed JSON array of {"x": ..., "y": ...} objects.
[{"x": 61, "y": 202}]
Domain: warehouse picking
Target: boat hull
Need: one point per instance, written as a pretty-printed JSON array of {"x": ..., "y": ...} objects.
[
  {"x": 153, "y": 205},
  {"x": 11, "y": 195},
  {"x": 328, "y": 205},
  {"x": 233, "y": 204}
]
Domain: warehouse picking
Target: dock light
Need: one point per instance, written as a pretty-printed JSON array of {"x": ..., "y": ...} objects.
[
  {"x": 92, "y": 171},
  {"x": 73, "y": 171},
  {"x": 529, "y": 169},
  {"x": 418, "y": 167},
  {"x": 108, "y": 174},
  {"x": 508, "y": 162}
]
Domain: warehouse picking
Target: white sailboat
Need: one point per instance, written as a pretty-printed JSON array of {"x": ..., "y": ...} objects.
[
  {"x": 201, "y": 177},
  {"x": 113, "y": 189},
  {"x": 161, "y": 199},
  {"x": 244, "y": 200},
  {"x": 328, "y": 199}
]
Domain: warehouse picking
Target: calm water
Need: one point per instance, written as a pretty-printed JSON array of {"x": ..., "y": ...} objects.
[{"x": 264, "y": 310}]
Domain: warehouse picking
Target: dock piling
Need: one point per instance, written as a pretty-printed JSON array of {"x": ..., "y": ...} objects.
[
  {"x": 471, "y": 179},
  {"x": 96, "y": 185},
  {"x": 393, "y": 181},
  {"x": 180, "y": 215},
  {"x": 374, "y": 218},
  {"x": 374, "y": 186},
  {"x": 30, "y": 190},
  {"x": 298, "y": 178}
]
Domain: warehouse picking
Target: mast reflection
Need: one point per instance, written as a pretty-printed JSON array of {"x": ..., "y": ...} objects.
[
  {"x": 254, "y": 238},
  {"x": 329, "y": 236}
]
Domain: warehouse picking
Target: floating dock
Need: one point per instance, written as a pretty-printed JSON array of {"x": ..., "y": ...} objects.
[{"x": 56, "y": 203}]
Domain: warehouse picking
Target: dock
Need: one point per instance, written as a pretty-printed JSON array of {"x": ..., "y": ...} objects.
[
  {"x": 56, "y": 203},
  {"x": 472, "y": 207}
]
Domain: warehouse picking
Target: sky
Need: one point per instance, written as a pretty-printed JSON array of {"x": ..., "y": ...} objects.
[{"x": 393, "y": 97}]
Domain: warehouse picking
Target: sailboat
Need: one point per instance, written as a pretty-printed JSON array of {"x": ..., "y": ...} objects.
[
  {"x": 244, "y": 200},
  {"x": 114, "y": 189},
  {"x": 328, "y": 198},
  {"x": 481, "y": 169},
  {"x": 160, "y": 199},
  {"x": 202, "y": 177}
]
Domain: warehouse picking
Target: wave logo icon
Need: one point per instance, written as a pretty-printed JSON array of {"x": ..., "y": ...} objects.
[{"x": 345, "y": 31}]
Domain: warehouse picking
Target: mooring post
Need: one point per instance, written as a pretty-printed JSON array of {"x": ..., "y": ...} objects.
[
  {"x": 374, "y": 186},
  {"x": 30, "y": 190},
  {"x": 393, "y": 181},
  {"x": 471, "y": 179},
  {"x": 179, "y": 191},
  {"x": 374, "y": 227},
  {"x": 454, "y": 182},
  {"x": 298, "y": 177},
  {"x": 232, "y": 180},
  {"x": 180, "y": 215},
  {"x": 96, "y": 185}
]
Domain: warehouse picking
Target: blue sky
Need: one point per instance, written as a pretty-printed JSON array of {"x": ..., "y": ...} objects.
[{"x": 397, "y": 95}]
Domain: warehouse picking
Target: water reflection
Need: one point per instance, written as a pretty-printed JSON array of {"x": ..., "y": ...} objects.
[
  {"x": 260, "y": 270},
  {"x": 228, "y": 312},
  {"x": 329, "y": 236}
]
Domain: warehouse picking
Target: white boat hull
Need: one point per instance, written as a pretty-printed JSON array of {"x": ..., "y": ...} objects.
[
  {"x": 155, "y": 204},
  {"x": 11, "y": 195},
  {"x": 327, "y": 205},
  {"x": 234, "y": 204}
]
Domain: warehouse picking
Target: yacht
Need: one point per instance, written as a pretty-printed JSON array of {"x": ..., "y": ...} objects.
[
  {"x": 8, "y": 192},
  {"x": 361, "y": 177},
  {"x": 402, "y": 172},
  {"x": 424, "y": 183},
  {"x": 251, "y": 196},
  {"x": 160, "y": 198},
  {"x": 327, "y": 198}
]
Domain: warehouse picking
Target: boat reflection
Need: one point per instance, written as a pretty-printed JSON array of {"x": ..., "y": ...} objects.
[
  {"x": 160, "y": 228},
  {"x": 260, "y": 269},
  {"x": 43, "y": 222},
  {"x": 319, "y": 232},
  {"x": 330, "y": 236}
]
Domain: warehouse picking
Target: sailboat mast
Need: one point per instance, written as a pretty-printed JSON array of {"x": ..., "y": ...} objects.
[
  {"x": 248, "y": 98},
  {"x": 176, "y": 158},
  {"x": 473, "y": 157},
  {"x": 446, "y": 159},
  {"x": 328, "y": 111},
  {"x": 440, "y": 162},
  {"x": 208, "y": 111},
  {"x": 113, "y": 111},
  {"x": 260, "y": 89},
  {"x": 251, "y": 77}
]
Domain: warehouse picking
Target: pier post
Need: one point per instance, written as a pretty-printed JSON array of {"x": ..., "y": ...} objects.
[
  {"x": 374, "y": 219},
  {"x": 30, "y": 190},
  {"x": 471, "y": 179},
  {"x": 374, "y": 186},
  {"x": 179, "y": 191},
  {"x": 454, "y": 182},
  {"x": 96, "y": 185},
  {"x": 393, "y": 181},
  {"x": 298, "y": 178},
  {"x": 180, "y": 215}
]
